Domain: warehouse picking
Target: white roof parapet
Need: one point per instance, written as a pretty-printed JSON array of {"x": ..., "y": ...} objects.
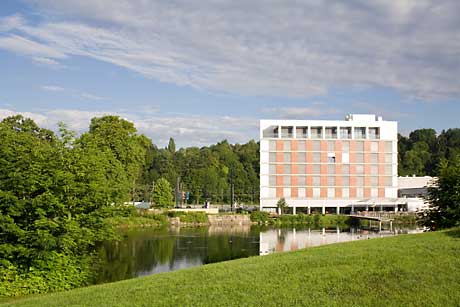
[{"x": 415, "y": 182}]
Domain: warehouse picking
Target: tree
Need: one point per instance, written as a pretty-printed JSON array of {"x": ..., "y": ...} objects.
[
  {"x": 171, "y": 146},
  {"x": 162, "y": 194},
  {"x": 444, "y": 197},
  {"x": 281, "y": 205}
]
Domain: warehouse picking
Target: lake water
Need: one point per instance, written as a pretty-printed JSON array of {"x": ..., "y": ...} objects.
[{"x": 150, "y": 251}]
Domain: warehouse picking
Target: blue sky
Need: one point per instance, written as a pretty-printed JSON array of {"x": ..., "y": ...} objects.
[{"x": 203, "y": 71}]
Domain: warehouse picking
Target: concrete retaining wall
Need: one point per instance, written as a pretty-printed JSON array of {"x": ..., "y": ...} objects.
[{"x": 229, "y": 219}]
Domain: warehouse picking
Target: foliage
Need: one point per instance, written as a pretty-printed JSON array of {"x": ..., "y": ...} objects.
[
  {"x": 444, "y": 197},
  {"x": 190, "y": 217},
  {"x": 281, "y": 205},
  {"x": 162, "y": 194},
  {"x": 391, "y": 267},
  {"x": 260, "y": 217}
]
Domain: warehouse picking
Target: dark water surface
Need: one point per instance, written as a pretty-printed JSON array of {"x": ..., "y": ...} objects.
[{"x": 150, "y": 251}]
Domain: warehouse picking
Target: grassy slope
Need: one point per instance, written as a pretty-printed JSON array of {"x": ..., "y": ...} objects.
[{"x": 412, "y": 270}]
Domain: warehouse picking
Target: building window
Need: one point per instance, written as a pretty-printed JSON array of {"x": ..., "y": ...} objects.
[
  {"x": 272, "y": 157},
  {"x": 359, "y": 181},
  {"x": 374, "y": 158},
  {"x": 388, "y": 158},
  {"x": 388, "y": 181},
  {"x": 287, "y": 132},
  {"x": 374, "y": 181},
  {"x": 331, "y": 132},
  {"x": 345, "y": 169},
  {"x": 287, "y": 169},
  {"x": 374, "y": 170},
  {"x": 374, "y": 147},
  {"x": 301, "y": 169},
  {"x": 316, "y": 132},
  {"x": 287, "y": 192},
  {"x": 272, "y": 181},
  {"x": 301, "y": 192},
  {"x": 388, "y": 170},
  {"x": 300, "y": 145},
  {"x": 287, "y": 146},
  {"x": 345, "y": 193},
  {"x": 287, "y": 157},
  {"x": 331, "y": 181},
  {"x": 316, "y": 181},
  {"x": 271, "y": 132},
  {"x": 287, "y": 180},
  {"x": 359, "y": 158},
  {"x": 301, "y": 181},
  {"x": 301, "y": 132},
  {"x": 331, "y": 169},
  {"x": 316, "y": 145},
  {"x": 331, "y": 192},
  {"x": 345, "y": 157},
  {"x": 316, "y": 169},
  {"x": 374, "y": 192},
  {"x": 272, "y": 192},
  {"x": 272, "y": 145},
  {"x": 301, "y": 157},
  {"x": 272, "y": 169},
  {"x": 345, "y": 146},
  {"x": 316, "y": 192},
  {"x": 359, "y": 146},
  {"x": 331, "y": 158},
  {"x": 388, "y": 147},
  {"x": 345, "y": 181},
  {"x": 360, "y": 192},
  {"x": 345, "y": 132},
  {"x": 360, "y": 132},
  {"x": 330, "y": 146},
  {"x": 374, "y": 133},
  {"x": 316, "y": 157}
]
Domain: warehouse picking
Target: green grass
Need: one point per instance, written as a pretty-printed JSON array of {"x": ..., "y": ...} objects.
[{"x": 408, "y": 270}]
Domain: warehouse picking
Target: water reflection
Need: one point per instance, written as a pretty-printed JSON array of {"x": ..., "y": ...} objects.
[{"x": 151, "y": 251}]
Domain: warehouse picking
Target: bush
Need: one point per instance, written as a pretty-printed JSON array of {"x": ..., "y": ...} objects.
[
  {"x": 189, "y": 217},
  {"x": 260, "y": 217}
]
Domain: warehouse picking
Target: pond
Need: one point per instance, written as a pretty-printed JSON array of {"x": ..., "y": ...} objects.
[{"x": 150, "y": 251}]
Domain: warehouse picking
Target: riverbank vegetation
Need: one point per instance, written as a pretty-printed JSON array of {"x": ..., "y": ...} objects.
[
  {"x": 407, "y": 270},
  {"x": 312, "y": 220}
]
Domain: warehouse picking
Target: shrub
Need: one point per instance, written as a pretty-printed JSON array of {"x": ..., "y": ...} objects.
[{"x": 260, "y": 217}]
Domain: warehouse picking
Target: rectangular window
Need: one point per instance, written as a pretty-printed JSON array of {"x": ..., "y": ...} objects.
[
  {"x": 287, "y": 146},
  {"x": 301, "y": 146},
  {"x": 345, "y": 169},
  {"x": 272, "y": 157},
  {"x": 272, "y": 181},
  {"x": 316, "y": 132},
  {"x": 388, "y": 158},
  {"x": 345, "y": 132},
  {"x": 272, "y": 145},
  {"x": 359, "y": 158},
  {"x": 331, "y": 158},
  {"x": 360, "y": 192},
  {"x": 374, "y": 170},
  {"x": 272, "y": 192},
  {"x": 359, "y": 146},
  {"x": 287, "y": 180},
  {"x": 360, "y": 132},
  {"x": 374, "y": 147},
  {"x": 301, "y": 181},
  {"x": 359, "y": 181},
  {"x": 389, "y": 146},
  {"x": 360, "y": 169},
  {"x": 331, "y": 132},
  {"x": 331, "y": 169},
  {"x": 345, "y": 193},
  {"x": 287, "y": 168},
  {"x": 331, "y": 146},
  {"x": 345, "y": 157},
  {"x": 272, "y": 169},
  {"x": 316, "y": 169},
  {"x": 388, "y": 170},
  {"x": 331, "y": 181},
  {"x": 374, "y": 192},
  {"x": 301, "y": 169},
  {"x": 374, "y": 133},
  {"x": 301, "y": 132},
  {"x": 287, "y": 192},
  {"x": 345, "y": 181},
  {"x": 388, "y": 181},
  {"x": 271, "y": 132},
  {"x": 374, "y": 181},
  {"x": 287, "y": 132},
  {"x": 374, "y": 158},
  {"x": 346, "y": 146},
  {"x": 316, "y": 145},
  {"x": 316, "y": 181},
  {"x": 316, "y": 157},
  {"x": 301, "y": 192},
  {"x": 331, "y": 192},
  {"x": 287, "y": 157},
  {"x": 301, "y": 157},
  {"x": 316, "y": 192}
]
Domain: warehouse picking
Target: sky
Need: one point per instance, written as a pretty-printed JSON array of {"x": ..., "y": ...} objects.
[{"x": 204, "y": 71}]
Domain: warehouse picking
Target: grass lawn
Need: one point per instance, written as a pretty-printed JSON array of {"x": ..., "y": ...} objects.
[{"x": 408, "y": 270}]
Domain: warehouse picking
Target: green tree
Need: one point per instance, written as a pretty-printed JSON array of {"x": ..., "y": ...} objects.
[
  {"x": 444, "y": 197},
  {"x": 162, "y": 194},
  {"x": 281, "y": 205},
  {"x": 171, "y": 146}
]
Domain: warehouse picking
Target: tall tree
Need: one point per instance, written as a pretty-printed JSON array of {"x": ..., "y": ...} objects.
[{"x": 162, "y": 194}]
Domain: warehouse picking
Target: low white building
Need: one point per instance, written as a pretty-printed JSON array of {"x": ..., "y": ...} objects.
[{"x": 413, "y": 190}]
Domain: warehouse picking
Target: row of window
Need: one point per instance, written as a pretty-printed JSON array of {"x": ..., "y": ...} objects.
[
  {"x": 274, "y": 169},
  {"x": 331, "y": 146},
  {"x": 331, "y": 193},
  {"x": 329, "y": 157},
  {"x": 274, "y": 181},
  {"x": 319, "y": 132}
]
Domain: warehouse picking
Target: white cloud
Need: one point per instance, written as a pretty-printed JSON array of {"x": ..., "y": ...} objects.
[
  {"x": 186, "y": 130},
  {"x": 47, "y": 61},
  {"x": 282, "y": 48},
  {"x": 84, "y": 95},
  {"x": 317, "y": 109},
  {"x": 52, "y": 88},
  {"x": 90, "y": 96}
]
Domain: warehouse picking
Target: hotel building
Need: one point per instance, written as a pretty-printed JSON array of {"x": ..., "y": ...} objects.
[{"x": 329, "y": 166}]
